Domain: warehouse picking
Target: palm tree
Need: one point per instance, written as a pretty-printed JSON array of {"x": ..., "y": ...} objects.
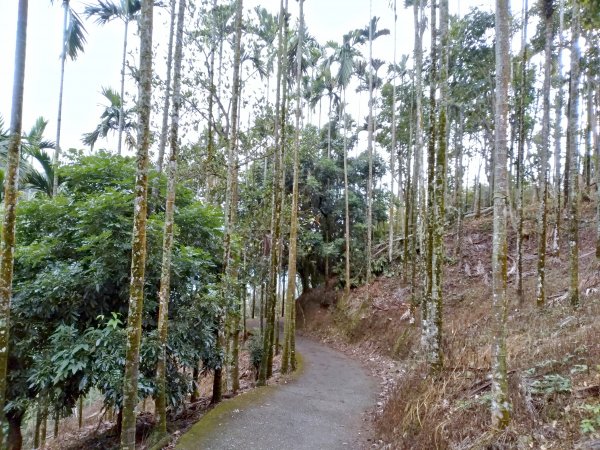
[
  {"x": 345, "y": 55},
  {"x": 289, "y": 352},
  {"x": 73, "y": 42},
  {"x": 36, "y": 172},
  {"x": 126, "y": 11},
  {"x": 7, "y": 241},
  {"x": 138, "y": 248},
  {"x": 33, "y": 154},
  {"x": 326, "y": 85},
  {"x": 111, "y": 120},
  {"x": 372, "y": 33}
]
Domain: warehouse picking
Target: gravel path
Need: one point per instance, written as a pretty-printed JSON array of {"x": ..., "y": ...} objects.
[{"x": 321, "y": 409}]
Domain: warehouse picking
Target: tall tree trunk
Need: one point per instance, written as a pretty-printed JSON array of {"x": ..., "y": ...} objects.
[
  {"x": 123, "y": 63},
  {"x": 573, "y": 198},
  {"x": 210, "y": 150},
  {"x": 596, "y": 132},
  {"x": 521, "y": 153},
  {"x": 7, "y": 243},
  {"x": 392, "y": 152},
  {"x": 587, "y": 161},
  {"x": 165, "y": 277},
  {"x": 63, "y": 58},
  {"x": 232, "y": 261},
  {"x": 138, "y": 248},
  {"x": 559, "y": 100},
  {"x": 459, "y": 184},
  {"x": 436, "y": 312},
  {"x": 162, "y": 143},
  {"x": 417, "y": 198},
  {"x": 15, "y": 437},
  {"x": 500, "y": 402},
  {"x": 289, "y": 352},
  {"x": 427, "y": 317},
  {"x": 265, "y": 366},
  {"x": 346, "y": 206},
  {"x": 370, "y": 130},
  {"x": 548, "y": 11}
]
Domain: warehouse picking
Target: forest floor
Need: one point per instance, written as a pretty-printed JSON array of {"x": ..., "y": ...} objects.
[
  {"x": 554, "y": 351},
  {"x": 319, "y": 408}
]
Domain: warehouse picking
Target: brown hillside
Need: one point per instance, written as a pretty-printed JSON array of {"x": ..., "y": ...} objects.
[{"x": 554, "y": 352}]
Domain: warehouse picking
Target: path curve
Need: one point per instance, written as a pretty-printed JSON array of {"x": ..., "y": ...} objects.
[{"x": 321, "y": 409}]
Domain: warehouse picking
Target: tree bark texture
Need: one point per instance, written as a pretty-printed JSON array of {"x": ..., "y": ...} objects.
[{"x": 138, "y": 248}]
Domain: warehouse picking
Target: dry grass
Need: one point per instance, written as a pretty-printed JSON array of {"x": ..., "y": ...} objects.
[{"x": 554, "y": 352}]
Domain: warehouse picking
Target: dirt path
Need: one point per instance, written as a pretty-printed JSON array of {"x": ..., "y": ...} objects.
[{"x": 321, "y": 409}]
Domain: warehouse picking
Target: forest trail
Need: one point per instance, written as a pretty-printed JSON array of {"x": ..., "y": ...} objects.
[{"x": 321, "y": 409}]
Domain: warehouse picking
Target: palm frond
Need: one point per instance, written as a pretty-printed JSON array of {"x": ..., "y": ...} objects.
[
  {"x": 104, "y": 12},
  {"x": 74, "y": 35}
]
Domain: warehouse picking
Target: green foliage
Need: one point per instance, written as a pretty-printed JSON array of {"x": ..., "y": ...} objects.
[
  {"x": 591, "y": 424},
  {"x": 71, "y": 288},
  {"x": 255, "y": 347},
  {"x": 551, "y": 384}
]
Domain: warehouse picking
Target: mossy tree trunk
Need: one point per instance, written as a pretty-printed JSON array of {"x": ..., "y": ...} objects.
[
  {"x": 417, "y": 198},
  {"x": 427, "y": 318},
  {"x": 597, "y": 166},
  {"x": 558, "y": 106},
  {"x": 436, "y": 355},
  {"x": 289, "y": 354},
  {"x": 392, "y": 152},
  {"x": 521, "y": 154},
  {"x": 500, "y": 407},
  {"x": 232, "y": 264},
  {"x": 165, "y": 277},
  {"x": 346, "y": 205},
  {"x": 370, "y": 138},
  {"x": 548, "y": 13},
  {"x": 572, "y": 151},
  {"x": 138, "y": 248},
  {"x": 164, "y": 130},
  {"x": 7, "y": 243},
  {"x": 269, "y": 304}
]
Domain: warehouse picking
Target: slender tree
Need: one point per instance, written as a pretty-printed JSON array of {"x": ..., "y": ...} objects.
[
  {"x": 393, "y": 149},
  {"x": 279, "y": 139},
  {"x": 436, "y": 356},
  {"x": 559, "y": 100},
  {"x": 500, "y": 402},
  {"x": 417, "y": 184},
  {"x": 7, "y": 243},
  {"x": 289, "y": 352},
  {"x": 162, "y": 143},
  {"x": 427, "y": 313},
  {"x": 73, "y": 42},
  {"x": 106, "y": 11},
  {"x": 165, "y": 277},
  {"x": 138, "y": 248},
  {"x": 547, "y": 8},
  {"x": 521, "y": 153},
  {"x": 232, "y": 258},
  {"x": 370, "y": 138},
  {"x": 572, "y": 151}
]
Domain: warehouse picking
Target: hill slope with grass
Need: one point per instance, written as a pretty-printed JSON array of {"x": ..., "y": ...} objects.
[{"x": 554, "y": 351}]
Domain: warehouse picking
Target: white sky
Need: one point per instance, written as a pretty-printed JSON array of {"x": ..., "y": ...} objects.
[{"x": 100, "y": 64}]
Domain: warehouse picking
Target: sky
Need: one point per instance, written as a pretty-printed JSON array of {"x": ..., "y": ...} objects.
[{"x": 100, "y": 64}]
